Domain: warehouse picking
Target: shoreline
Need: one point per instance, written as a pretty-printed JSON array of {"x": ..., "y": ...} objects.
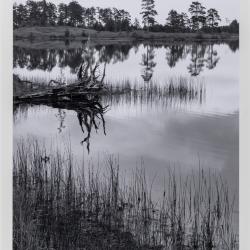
[
  {"x": 44, "y": 40},
  {"x": 73, "y": 44},
  {"x": 65, "y": 33}
]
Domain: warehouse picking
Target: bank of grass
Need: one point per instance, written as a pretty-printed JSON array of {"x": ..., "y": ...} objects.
[
  {"x": 57, "y": 205},
  {"x": 37, "y": 33}
]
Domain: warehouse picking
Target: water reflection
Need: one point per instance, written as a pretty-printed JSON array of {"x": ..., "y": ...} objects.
[
  {"x": 144, "y": 122},
  {"x": 36, "y": 59},
  {"x": 61, "y": 115},
  {"x": 176, "y": 92},
  {"x": 233, "y": 45},
  {"x": 199, "y": 55},
  {"x": 72, "y": 58},
  {"x": 90, "y": 115},
  {"x": 113, "y": 53},
  {"x": 197, "y": 59},
  {"x": 148, "y": 64},
  {"x": 174, "y": 54},
  {"x": 91, "y": 109},
  {"x": 212, "y": 58}
]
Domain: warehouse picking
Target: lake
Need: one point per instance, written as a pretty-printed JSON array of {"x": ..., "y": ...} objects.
[{"x": 155, "y": 131}]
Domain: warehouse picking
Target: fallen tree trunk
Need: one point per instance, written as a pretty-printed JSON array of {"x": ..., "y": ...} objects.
[
  {"x": 88, "y": 84},
  {"x": 67, "y": 93}
]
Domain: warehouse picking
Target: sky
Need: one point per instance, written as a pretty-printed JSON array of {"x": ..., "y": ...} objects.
[{"x": 229, "y": 9}]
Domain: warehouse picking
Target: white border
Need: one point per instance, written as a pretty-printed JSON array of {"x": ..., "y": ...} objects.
[
  {"x": 6, "y": 65},
  {"x": 244, "y": 125},
  {"x": 6, "y": 45}
]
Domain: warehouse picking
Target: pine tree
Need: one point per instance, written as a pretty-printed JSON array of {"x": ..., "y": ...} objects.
[
  {"x": 51, "y": 14},
  {"x": 198, "y": 18},
  {"x": 75, "y": 12},
  {"x": 63, "y": 14},
  {"x": 34, "y": 12},
  {"x": 185, "y": 20},
  {"x": 136, "y": 24},
  {"x": 234, "y": 26},
  {"x": 213, "y": 18},
  {"x": 20, "y": 15},
  {"x": 148, "y": 64},
  {"x": 174, "y": 20},
  {"x": 44, "y": 8},
  {"x": 148, "y": 13},
  {"x": 89, "y": 15}
]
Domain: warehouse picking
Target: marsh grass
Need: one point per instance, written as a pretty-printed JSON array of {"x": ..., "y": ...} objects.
[
  {"x": 57, "y": 205},
  {"x": 174, "y": 90}
]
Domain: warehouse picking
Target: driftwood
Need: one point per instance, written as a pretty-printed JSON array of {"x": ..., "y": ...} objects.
[
  {"x": 89, "y": 83},
  {"x": 67, "y": 93},
  {"x": 83, "y": 97}
]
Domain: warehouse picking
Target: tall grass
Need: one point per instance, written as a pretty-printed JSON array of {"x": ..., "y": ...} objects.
[
  {"x": 56, "y": 205},
  {"x": 180, "y": 90},
  {"x": 174, "y": 91}
]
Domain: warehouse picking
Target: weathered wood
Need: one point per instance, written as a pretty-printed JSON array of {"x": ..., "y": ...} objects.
[
  {"x": 71, "y": 91},
  {"x": 75, "y": 95},
  {"x": 88, "y": 84}
]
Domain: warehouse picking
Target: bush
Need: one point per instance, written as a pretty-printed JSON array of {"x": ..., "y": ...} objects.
[{"x": 234, "y": 27}]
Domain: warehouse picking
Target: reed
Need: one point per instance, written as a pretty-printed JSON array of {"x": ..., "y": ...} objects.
[
  {"x": 57, "y": 205},
  {"x": 175, "y": 90}
]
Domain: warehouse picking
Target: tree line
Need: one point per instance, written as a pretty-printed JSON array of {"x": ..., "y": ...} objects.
[{"x": 45, "y": 13}]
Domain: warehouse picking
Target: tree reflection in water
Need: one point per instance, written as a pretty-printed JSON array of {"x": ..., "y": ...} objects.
[
  {"x": 148, "y": 63},
  {"x": 47, "y": 59},
  {"x": 212, "y": 57},
  {"x": 233, "y": 45},
  {"x": 202, "y": 55},
  {"x": 174, "y": 54},
  {"x": 113, "y": 53},
  {"x": 197, "y": 59},
  {"x": 61, "y": 117},
  {"x": 90, "y": 114}
]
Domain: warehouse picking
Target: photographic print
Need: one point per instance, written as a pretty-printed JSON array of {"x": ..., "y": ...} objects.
[{"x": 125, "y": 125}]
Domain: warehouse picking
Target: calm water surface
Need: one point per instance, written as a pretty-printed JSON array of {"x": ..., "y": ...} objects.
[{"x": 160, "y": 133}]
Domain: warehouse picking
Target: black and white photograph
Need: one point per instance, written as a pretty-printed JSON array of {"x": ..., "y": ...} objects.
[{"x": 125, "y": 125}]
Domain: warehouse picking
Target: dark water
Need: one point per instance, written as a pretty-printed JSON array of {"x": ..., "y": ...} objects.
[{"x": 184, "y": 132}]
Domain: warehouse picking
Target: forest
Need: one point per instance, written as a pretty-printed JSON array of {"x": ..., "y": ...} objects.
[{"x": 45, "y": 13}]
